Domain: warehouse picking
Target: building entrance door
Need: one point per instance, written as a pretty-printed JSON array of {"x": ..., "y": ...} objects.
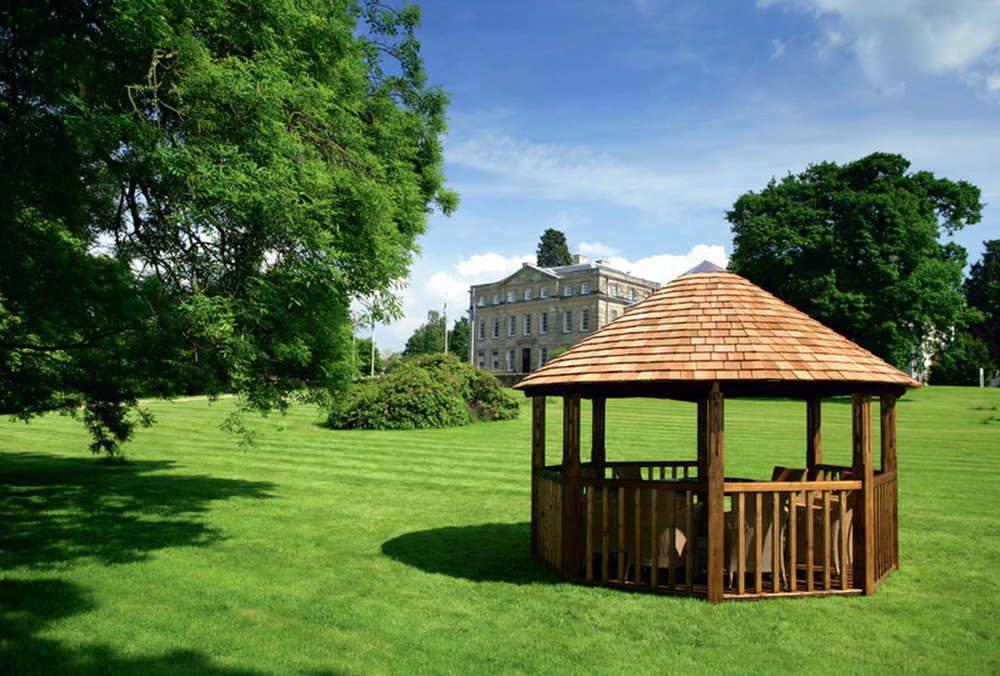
[{"x": 526, "y": 360}]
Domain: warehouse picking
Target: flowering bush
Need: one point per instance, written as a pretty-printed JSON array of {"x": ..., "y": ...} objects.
[{"x": 431, "y": 391}]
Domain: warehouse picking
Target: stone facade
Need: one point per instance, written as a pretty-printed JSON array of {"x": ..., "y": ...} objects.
[{"x": 522, "y": 319}]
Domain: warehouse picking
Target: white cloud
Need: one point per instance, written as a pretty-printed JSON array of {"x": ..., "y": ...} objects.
[
  {"x": 664, "y": 267},
  {"x": 595, "y": 249},
  {"x": 894, "y": 38},
  {"x": 554, "y": 171},
  {"x": 777, "y": 48},
  {"x": 667, "y": 189}
]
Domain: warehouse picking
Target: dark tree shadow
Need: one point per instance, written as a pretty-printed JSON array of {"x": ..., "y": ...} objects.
[
  {"x": 492, "y": 552},
  {"x": 56, "y": 510},
  {"x": 28, "y": 606}
]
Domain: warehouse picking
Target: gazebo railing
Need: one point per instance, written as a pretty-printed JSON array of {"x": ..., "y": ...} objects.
[
  {"x": 781, "y": 538},
  {"x": 886, "y": 545},
  {"x": 789, "y": 537},
  {"x": 547, "y": 519},
  {"x": 630, "y": 524}
]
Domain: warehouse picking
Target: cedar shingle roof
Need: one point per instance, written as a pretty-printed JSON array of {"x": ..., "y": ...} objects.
[{"x": 710, "y": 325}]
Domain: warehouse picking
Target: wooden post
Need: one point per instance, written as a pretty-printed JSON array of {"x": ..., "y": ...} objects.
[
  {"x": 814, "y": 424},
  {"x": 864, "y": 470},
  {"x": 572, "y": 496},
  {"x": 537, "y": 462},
  {"x": 716, "y": 495},
  {"x": 702, "y": 439},
  {"x": 887, "y": 410},
  {"x": 597, "y": 449}
]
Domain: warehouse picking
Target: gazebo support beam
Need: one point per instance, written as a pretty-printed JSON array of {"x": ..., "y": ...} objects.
[
  {"x": 814, "y": 425},
  {"x": 864, "y": 470},
  {"x": 537, "y": 462},
  {"x": 716, "y": 493},
  {"x": 887, "y": 410},
  {"x": 597, "y": 434},
  {"x": 702, "y": 439},
  {"x": 572, "y": 497}
]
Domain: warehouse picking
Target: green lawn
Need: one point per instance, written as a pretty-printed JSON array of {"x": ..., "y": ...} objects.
[{"x": 327, "y": 552}]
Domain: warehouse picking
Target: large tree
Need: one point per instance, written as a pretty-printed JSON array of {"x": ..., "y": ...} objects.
[
  {"x": 192, "y": 192},
  {"x": 858, "y": 247},
  {"x": 428, "y": 338},
  {"x": 982, "y": 291},
  {"x": 552, "y": 249}
]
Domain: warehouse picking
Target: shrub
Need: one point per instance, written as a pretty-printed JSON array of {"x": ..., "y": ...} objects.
[{"x": 431, "y": 391}]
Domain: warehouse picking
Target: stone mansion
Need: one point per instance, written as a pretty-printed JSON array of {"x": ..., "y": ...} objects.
[{"x": 522, "y": 319}]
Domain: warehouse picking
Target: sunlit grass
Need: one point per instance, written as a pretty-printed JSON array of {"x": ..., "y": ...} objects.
[{"x": 328, "y": 551}]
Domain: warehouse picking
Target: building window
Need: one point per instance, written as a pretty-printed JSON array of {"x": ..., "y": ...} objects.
[
  {"x": 482, "y": 301},
  {"x": 481, "y": 359},
  {"x": 527, "y": 294},
  {"x": 613, "y": 290},
  {"x": 527, "y": 325},
  {"x": 510, "y": 296},
  {"x": 614, "y": 315},
  {"x": 496, "y": 328},
  {"x": 631, "y": 293},
  {"x": 584, "y": 320},
  {"x": 510, "y": 361},
  {"x": 543, "y": 292},
  {"x": 543, "y": 323},
  {"x": 568, "y": 290},
  {"x": 584, "y": 288},
  {"x": 496, "y": 299},
  {"x": 567, "y": 321},
  {"x": 495, "y": 361},
  {"x": 482, "y": 329},
  {"x": 543, "y": 356},
  {"x": 511, "y": 322}
]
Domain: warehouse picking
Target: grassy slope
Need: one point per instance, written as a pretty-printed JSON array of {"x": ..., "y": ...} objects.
[{"x": 368, "y": 552}]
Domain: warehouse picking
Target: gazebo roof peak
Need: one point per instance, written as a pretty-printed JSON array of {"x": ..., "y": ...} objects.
[
  {"x": 704, "y": 266},
  {"x": 709, "y": 325}
]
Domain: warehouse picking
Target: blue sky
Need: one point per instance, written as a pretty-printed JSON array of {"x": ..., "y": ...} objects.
[{"x": 633, "y": 125}]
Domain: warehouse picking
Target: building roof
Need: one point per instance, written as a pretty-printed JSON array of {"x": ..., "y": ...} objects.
[
  {"x": 710, "y": 325},
  {"x": 564, "y": 271}
]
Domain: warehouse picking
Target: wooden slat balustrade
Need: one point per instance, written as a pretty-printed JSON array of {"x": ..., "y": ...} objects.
[{"x": 648, "y": 533}]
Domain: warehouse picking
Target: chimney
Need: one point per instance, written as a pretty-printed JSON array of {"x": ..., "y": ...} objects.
[{"x": 579, "y": 259}]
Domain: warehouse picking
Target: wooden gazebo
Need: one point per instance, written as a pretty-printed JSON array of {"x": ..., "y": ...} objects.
[{"x": 683, "y": 527}]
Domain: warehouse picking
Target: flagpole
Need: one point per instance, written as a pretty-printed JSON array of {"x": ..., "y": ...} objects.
[
  {"x": 472, "y": 330},
  {"x": 373, "y": 350}
]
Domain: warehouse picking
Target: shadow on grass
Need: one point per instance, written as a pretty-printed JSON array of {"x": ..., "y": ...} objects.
[
  {"x": 27, "y": 607},
  {"x": 57, "y": 510},
  {"x": 492, "y": 552}
]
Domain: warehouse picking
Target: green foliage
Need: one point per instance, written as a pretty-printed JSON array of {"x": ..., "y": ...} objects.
[
  {"x": 433, "y": 391},
  {"x": 857, "y": 247},
  {"x": 552, "y": 249},
  {"x": 363, "y": 358},
  {"x": 192, "y": 193},
  {"x": 458, "y": 339},
  {"x": 982, "y": 292},
  {"x": 428, "y": 338},
  {"x": 959, "y": 362}
]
